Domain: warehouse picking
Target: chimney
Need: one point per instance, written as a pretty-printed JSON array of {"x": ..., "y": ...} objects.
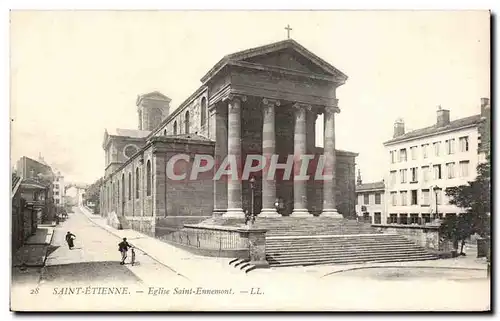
[
  {"x": 399, "y": 128},
  {"x": 443, "y": 117},
  {"x": 485, "y": 107},
  {"x": 359, "y": 181}
]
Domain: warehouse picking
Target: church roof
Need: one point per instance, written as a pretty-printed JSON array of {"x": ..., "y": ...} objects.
[
  {"x": 133, "y": 133},
  {"x": 189, "y": 136},
  {"x": 277, "y": 46},
  {"x": 434, "y": 129}
]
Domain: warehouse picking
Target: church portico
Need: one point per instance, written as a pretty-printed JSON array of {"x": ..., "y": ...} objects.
[
  {"x": 259, "y": 105},
  {"x": 252, "y": 124}
]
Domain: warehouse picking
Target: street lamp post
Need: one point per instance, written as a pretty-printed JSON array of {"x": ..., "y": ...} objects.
[
  {"x": 436, "y": 189},
  {"x": 252, "y": 187}
]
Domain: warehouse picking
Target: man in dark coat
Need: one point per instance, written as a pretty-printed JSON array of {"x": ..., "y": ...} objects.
[
  {"x": 69, "y": 239},
  {"x": 123, "y": 247}
]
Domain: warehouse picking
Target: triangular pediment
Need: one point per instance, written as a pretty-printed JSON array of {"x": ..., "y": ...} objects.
[
  {"x": 287, "y": 54},
  {"x": 288, "y": 59}
]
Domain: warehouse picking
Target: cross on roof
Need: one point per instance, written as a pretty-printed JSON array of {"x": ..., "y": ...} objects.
[{"x": 288, "y": 29}]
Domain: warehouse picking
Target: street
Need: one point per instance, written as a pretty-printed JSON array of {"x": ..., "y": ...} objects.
[{"x": 94, "y": 261}]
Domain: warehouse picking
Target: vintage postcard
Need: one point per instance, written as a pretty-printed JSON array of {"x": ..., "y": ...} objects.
[{"x": 250, "y": 160}]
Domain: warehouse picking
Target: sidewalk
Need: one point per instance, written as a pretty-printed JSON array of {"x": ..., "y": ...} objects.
[
  {"x": 186, "y": 264},
  {"x": 35, "y": 250}
]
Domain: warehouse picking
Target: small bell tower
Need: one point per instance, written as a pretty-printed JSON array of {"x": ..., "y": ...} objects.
[{"x": 152, "y": 109}]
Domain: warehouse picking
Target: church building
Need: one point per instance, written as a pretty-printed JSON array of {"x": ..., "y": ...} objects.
[{"x": 260, "y": 101}]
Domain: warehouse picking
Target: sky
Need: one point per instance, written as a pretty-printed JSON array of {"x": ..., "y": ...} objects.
[{"x": 75, "y": 73}]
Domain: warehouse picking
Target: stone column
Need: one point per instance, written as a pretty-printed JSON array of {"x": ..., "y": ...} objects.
[
  {"x": 221, "y": 144},
  {"x": 268, "y": 150},
  {"x": 300, "y": 149},
  {"x": 312, "y": 188},
  {"x": 234, "y": 200},
  {"x": 329, "y": 186}
]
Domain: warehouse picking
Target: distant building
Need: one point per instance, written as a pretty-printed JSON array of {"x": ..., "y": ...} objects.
[
  {"x": 426, "y": 161},
  {"x": 370, "y": 203},
  {"x": 32, "y": 199},
  {"x": 59, "y": 189}
]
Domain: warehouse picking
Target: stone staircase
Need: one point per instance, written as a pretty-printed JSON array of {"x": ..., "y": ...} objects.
[
  {"x": 313, "y": 226},
  {"x": 343, "y": 249},
  {"x": 294, "y": 241}
]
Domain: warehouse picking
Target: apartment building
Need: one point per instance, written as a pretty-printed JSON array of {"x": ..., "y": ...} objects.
[
  {"x": 370, "y": 201},
  {"x": 59, "y": 189},
  {"x": 426, "y": 161}
]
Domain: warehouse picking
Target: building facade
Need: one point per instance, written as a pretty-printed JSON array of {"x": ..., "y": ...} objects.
[
  {"x": 59, "y": 189},
  {"x": 261, "y": 101},
  {"x": 424, "y": 162},
  {"x": 370, "y": 201},
  {"x": 35, "y": 175}
]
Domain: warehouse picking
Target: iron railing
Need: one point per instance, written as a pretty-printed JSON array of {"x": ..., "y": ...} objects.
[{"x": 207, "y": 239}]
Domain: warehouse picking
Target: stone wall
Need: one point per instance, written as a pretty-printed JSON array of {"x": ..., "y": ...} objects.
[
  {"x": 346, "y": 184},
  {"x": 169, "y": 224},
  {"x": 145, "y": 225},
  {"x": 17, "y": 223},
  {"x": 193, "y": 105},
  {"x": 425, "y": 236},
  {"x": 185, "y": 197},
  {"x": 126, "y": 191}
]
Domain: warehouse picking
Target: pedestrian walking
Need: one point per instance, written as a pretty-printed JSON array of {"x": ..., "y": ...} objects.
[
  {"x": 123, "y": 247},
  {"x": 69, "y": 239}
]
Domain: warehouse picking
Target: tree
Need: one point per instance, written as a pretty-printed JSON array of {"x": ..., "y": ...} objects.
[
  {"x": 92, "y": 193},
  {"x": 475, "y": 198}
]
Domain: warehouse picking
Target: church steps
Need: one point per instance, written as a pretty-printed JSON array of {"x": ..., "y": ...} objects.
[
  {"x": 339, "y": 248},
  {"x": 346, "y": 255},
  {"x": 375, "y": 259},
  {"x": 341, "y": 242},
  {"x": 354, "y": 257},
  {"x": 337, "y": 254},
  {"x": 334, "y": 247},
  {"x": 317, "y": 240},
  {"x": 336, "y": 239},
  {"x": 308, "y": 232}
]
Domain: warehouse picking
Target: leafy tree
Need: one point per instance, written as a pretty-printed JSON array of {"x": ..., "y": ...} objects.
[
  {"x": 92, "y": 193},
  {"x": 475, "y": 198}
]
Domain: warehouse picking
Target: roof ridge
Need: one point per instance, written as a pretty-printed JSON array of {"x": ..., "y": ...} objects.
[{"x": 433, "y": 129}]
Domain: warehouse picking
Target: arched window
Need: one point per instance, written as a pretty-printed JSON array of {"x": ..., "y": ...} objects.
[
  {"x": 175, "y": 127},
  {"x": 203, "y": 115},
  {"x": 129, "y": 186},
  {"x": 137, "y": 182},
  {"x": 148, "y": 178},
  {"x": 186, "y": 123},
  {"x": 165, "y": 132}
]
